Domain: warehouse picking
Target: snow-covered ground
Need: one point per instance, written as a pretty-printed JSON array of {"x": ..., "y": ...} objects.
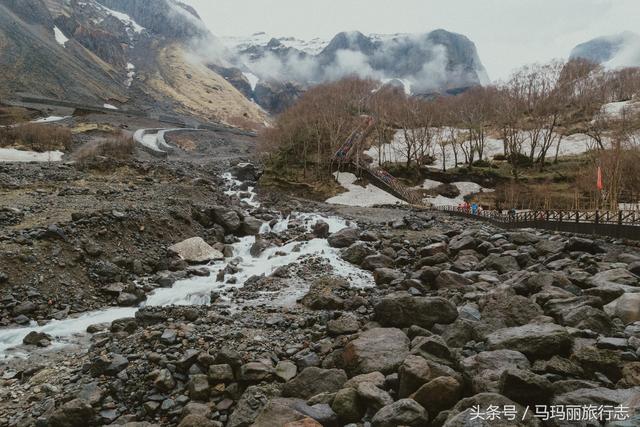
[
  {"x": 253, "y": 80},
  {"x": 50, "y": 119},
  {"x": 466, "y": 189},
  {"x": 395, "y": 151},
  {"x": 61, "y": 39},
  {"x": 131, "y": 73},
  {"x": 13, "y": 155},
  {"x": 357, "y": 195},
  {"x": 615, "y": 109},
  {"x": 126, "y": 19}
]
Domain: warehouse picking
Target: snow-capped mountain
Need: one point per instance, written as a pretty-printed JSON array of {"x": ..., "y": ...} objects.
[
  {"x": 613, "y": 51},
  {"x": 434, "y": 62}
]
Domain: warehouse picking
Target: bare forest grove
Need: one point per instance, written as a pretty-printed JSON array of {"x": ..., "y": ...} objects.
[{"x": 532, "y": 114}]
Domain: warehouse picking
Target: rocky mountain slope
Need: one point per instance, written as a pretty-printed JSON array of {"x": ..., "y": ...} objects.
[
  {"x": 617, "y": 50},
  {"x": 127, "y": 53},
  {"x": 438, "y": 61}
]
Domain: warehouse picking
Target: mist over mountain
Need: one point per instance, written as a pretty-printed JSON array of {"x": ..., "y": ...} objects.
[
  {"x": 438, "y": 61},
  {"x": 617, "y": 50}
]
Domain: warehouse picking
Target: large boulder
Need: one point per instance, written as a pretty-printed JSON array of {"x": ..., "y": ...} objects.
[
  {"x": 228, "y": 218},
  {"x": 312, "y": 381},
  {"x": 378, "y": 349},
  {"x": 356, "y": 253},
  {"x": 451, "y": 280},
  {"x": 343, "y": 238},
  {"x": 439, "y": 394},
  {"x": 485, "y": 368},
  {"x": 626, "y": 307},
  {"x": 404, "y": 412},
  {"x": 525, "y": 387},
  {"x": 579, "y": 244},
  {"x": 75, "y": 413},
  {"x": 536, "y": 341},
  {"x": 196, "y": 251},
  {"x": 403, "y": 310},
  {"x": 413, "y": 373}
]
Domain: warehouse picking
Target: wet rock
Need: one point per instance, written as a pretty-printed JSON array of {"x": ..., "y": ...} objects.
[
  {"x": 403, "y": 310},
  {"x": 312, "y": 381},
  {"x": 343, "y": 238},
  {"x": 196, "y": 250},
  {"x": 404, "y": 412},
  {"x": 37, "y": 338},
  {"x": 536, "y": 341},
  {"x": 126, "y": 299},
  {"x": 251, "y": 226},
  {"x": 378, "y": 349},
  {"x": 259, "y": 246},
  {"x": 320, "y": 229},
  {"x": 356, "y": 253},
  {"x": 228, "y": 218}
]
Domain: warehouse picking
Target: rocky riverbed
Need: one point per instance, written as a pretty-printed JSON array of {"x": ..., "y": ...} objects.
[{"x": 299, "y": 313}]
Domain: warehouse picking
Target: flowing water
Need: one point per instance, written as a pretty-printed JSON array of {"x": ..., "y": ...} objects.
[{"x": 197, "y": 290}]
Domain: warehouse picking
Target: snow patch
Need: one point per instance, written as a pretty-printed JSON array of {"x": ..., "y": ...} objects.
[
  {"x": 50, "y": 119},
  {"x": 131, "y": 73},
  {"x": 361, "y": 196},
  {"x": 126, "y": 19},
  {"x": 61, "y": 39},
  {"x": 110, "y": 107},
  {"x": 14, "y": 155},
  {"x": 253, "y": 80},
  {"x": 465, "y": 188}
]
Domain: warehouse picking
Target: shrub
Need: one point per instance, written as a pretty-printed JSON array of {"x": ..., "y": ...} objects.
[
  {"x": 37, "y": 137},
  {"x": 118, "y": 148}
]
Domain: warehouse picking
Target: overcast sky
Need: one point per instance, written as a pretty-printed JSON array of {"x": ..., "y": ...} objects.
[{"x": 507, "y": 33}]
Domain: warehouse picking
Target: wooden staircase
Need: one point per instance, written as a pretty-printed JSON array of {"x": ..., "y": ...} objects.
[{"x": 348, "y": 156}]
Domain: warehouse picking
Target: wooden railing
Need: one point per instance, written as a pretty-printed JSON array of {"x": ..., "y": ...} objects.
[{"x": 562, "y": 216}]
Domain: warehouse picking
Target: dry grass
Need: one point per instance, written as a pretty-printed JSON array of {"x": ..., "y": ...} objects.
[
  {"x": 37, "y": 137},
  {"x": 118, "y": 148}
]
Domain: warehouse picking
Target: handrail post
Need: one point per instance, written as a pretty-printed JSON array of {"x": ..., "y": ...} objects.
[
  {"x": 597, "y": 217},
  {"x": 577, "y": 217},
  {"x": 619, "y": 217}
]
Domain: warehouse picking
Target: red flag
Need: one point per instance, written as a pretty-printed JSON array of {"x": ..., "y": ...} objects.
[{"x": 600, "y": 185}]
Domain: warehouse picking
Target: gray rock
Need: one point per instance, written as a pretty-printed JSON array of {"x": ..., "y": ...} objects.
[
  {"x": 345, "y": 324},
  {"x": 37, "y": 338},
  {"x": 195, "y": 250},
  {"x": 343, "y": 238},
  {"x": 412, "y": 374},
  {"x": 377, "y": 349},
  {"x": 356, "y": 253},
  {"x": 525, "y": 387},
  {"x": 384, "y": 276},
  {"x": 403, "y": 310},
  {"x": 312, "y": 381},
  {"x": 346, "y": 404},
  {"x": 536, "y": 341},
  {"x": 373, "y": 262},
  {"x": 199, "y": 387},
  {"x": 75, "y": 413},
  {"x": 485, "y": 368},
  {"x": 373, "y": 396},
  {"x": 404, "y": 412}
]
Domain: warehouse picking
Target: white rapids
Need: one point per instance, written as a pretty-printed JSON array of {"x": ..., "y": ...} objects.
[{"x": 197, "y": 290}]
